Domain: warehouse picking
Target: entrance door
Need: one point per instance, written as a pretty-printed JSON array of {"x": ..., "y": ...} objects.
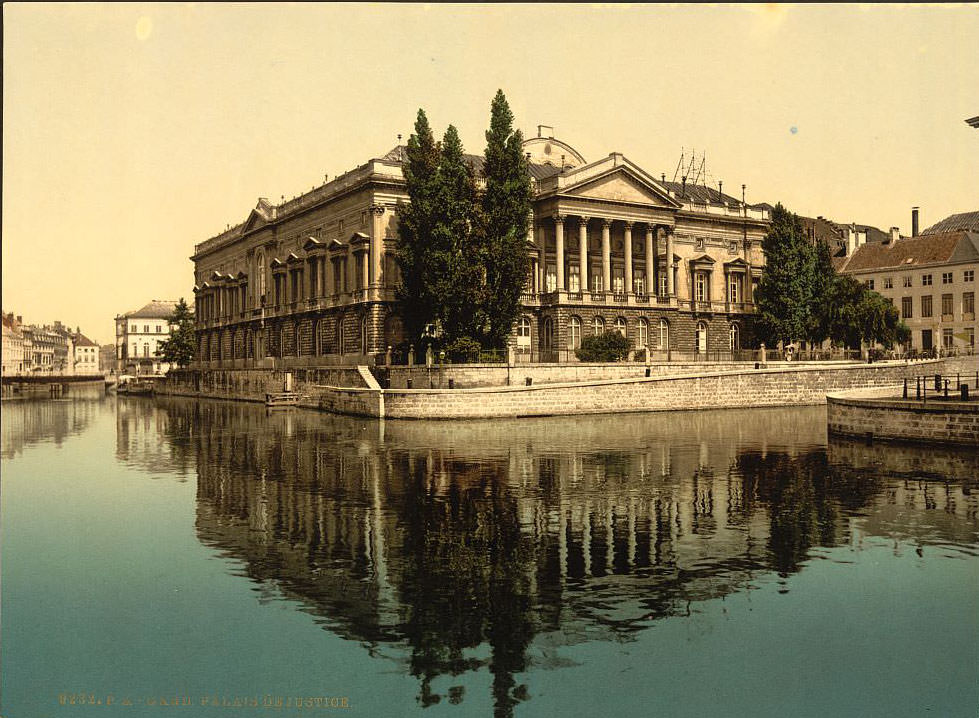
[{"x": 926, "y": 343}]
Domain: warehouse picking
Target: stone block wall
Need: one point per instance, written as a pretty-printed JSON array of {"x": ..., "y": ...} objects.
[
  {"x": 938, "y": 422},
  {"x": 740, "y": 388}
]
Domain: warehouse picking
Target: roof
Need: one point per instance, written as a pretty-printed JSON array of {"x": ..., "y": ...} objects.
[
  {"x": 915, "y": 251},
  {"x": 154, "y": 310},
  {"x": 700, "y": 193},
  {"x": 537, "y": 171},
  {"x": 962, "y": 222},
  {"x": 83, "y": 341}
]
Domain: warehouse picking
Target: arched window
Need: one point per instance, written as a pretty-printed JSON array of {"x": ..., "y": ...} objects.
[
  {"x": 701, "y": 338},
  {"x": 735, "y": 337},
  {"x": 523, "y": 335},
  {"x": 664, "y": 335},
  {"x": 642, "y": 332},
  {"x": 620, "y": 325},
  {"x": 547, "y": 334},
  {"x": 574, "y": 340},
  {"x": 598, "y": 326}
]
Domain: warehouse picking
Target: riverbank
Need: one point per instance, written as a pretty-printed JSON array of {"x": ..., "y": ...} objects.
[{"x": 707, "y": 388}]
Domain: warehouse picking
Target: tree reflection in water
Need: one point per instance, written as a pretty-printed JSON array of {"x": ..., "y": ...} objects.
[{"x": 470, "y": 542}]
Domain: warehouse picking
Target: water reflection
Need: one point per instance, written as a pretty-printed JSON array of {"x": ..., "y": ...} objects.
[
  {"x": 455, "y": 548},
  {"x": 29, "y": 421}
]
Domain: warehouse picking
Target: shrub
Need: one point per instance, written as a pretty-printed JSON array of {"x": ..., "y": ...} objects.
[
  {"x": 463, "y": 350},
  {"x": 610, "y": 346}
]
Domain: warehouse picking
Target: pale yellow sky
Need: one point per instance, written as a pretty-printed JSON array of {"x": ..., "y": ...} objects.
[{"x": 133, "y": 131}]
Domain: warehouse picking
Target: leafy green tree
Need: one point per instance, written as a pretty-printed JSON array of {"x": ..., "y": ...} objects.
[
  {"x": 785, "y": 292},
  {"x": 609, "y": 346},
  {"x": 823, "y": 276},
  {"x": 180, "y": 346},
  {"x": 456, "y": 235},
  {"x": 855, "y": 314},
  {"x": 416, "y": 254},
  {"x": 507, "y": 207}
]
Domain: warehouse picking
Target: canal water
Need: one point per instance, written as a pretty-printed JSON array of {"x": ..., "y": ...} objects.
[{"x": 176, "y": 557}]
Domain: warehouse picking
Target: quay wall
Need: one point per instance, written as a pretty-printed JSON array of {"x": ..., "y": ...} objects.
[
  {"x": 708, "y": 390},
  {"x": 345, "y": 391},
  {"x": 885, "y": 417},
  {"x": 467, "y": 376}
]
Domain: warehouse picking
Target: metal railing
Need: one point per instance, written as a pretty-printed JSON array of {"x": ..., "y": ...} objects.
[{"x": 953, "y": 387}]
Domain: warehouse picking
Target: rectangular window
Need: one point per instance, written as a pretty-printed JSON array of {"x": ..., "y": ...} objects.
[
  {"x": 888, "y": 283},
  {"x": 701, "y": 287},
  {"x": 969, "y": 275},
  {"x": 618, "y": 282},
  {"x": 969, "y": 304},
  {"x": 639, "y": 281},
  {"x": 159, "y": 329},
  {"x": 574, "y": 278},
  {"x": 947, "y": 338},
  {"x": 133, "y": 329},
  {"x": 869, "y": 283},
  {"x": 926, "y": 306},
  {"x": 146, "y": 350},
  {"x": 551, "y": 278},
  {"x": 596, "y": 281},
  {"x": 734, "y": 288},
  {"x": 970, "y": 336},
  {"x": 662, "y": 284},
  {"x": 947, "y": 306},
  {"x": 926, "y": 342},
  {"x": 906, "y": 308},
  {"x": 946, "y": 277},
  {"x": 925, "y": 280},
  {"x": 146, "y": 329},
  {"x": 907, "y": 280}
]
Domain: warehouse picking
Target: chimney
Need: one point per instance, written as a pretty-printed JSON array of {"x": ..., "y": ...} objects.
[
  {"x": 720, "y": 190},
  {"x": 662, "y": 177},
  {"x": 914, "y": 221},
  {"x": 851, "y": 241},
  {"x": 684, "y": 191},
  {"x": 895, "y": 234}
]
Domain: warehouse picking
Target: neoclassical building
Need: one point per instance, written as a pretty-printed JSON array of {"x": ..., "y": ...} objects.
[{"x": 312, "y": 280}]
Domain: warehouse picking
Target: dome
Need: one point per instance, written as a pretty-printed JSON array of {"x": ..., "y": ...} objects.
[{"x": 546, "y": 150}]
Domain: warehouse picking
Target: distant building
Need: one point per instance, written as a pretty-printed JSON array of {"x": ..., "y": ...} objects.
[
  {"x": 107, "y": 357},
  {"x": 931, "y": 279},
  {"x": 87, "y": 360},
  {"x": 962, "y": 222},
  {"x": 13, "y": 346},
  {"x": 138, "y": 337}
]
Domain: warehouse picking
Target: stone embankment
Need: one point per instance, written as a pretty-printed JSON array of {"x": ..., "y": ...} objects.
[
  {"x": 883, "y": 414},
  {"x": 707, "y": 388}
]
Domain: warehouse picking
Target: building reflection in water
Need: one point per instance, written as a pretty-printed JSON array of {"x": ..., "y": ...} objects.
[
  {"x": 28, "y": 421},
  {"x": 466, "y": 542}
]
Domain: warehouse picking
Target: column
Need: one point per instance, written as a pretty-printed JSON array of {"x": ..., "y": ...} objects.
[
  {"x": 366, "y": 269},
  {"x": 670, "y": 288},
  {"x": 628, "y": 257},
  {"x": 606, "y": 255},
  {"x": 651, "y": 287},
  {"x": 541, "y": 264},
  {"x": 583, "y": 253},
  {"x": 377, "y": 245},
  {"x": 559, "y": 250}
]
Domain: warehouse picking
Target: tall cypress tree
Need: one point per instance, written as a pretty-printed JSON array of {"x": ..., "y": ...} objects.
[
  {"x": 506, "y": 208},
  {"x": 459, "y": 255},
  {"x": 785, "y": 291},
  {"x": 416, "y": 225}
]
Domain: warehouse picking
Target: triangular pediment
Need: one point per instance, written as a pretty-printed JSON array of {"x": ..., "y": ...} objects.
[{"x": 621, "y": 183}]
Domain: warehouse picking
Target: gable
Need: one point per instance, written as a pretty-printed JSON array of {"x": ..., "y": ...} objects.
[{"x": 621, "y": 186}]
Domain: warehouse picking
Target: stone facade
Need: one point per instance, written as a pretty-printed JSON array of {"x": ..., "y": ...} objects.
[
  {"x": 314, "y": 278},
  {"x": 138, "y": 337}
]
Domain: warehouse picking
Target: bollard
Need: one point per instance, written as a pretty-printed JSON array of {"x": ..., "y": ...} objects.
[
  {"x": 408, "y": 383},
  {"x": 905, "y": 387},
  {"x": 648, "y": 371},
  {"x": 938, "y": 382},
  {"x": 946, "y": 388},
  {"x": 964, "y": 392},
  {"x": 529, "y": 380},
  {"x": 452, "y": 383}
]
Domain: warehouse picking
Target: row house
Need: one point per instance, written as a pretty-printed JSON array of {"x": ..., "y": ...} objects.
[
  {"x": 138, "y": 337},
  {"x": 13, "y": 346},
  {"x": 312, "y": 280},
  {"x": 931, "y": 279},
  {"x": 86, "y": 359}
]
